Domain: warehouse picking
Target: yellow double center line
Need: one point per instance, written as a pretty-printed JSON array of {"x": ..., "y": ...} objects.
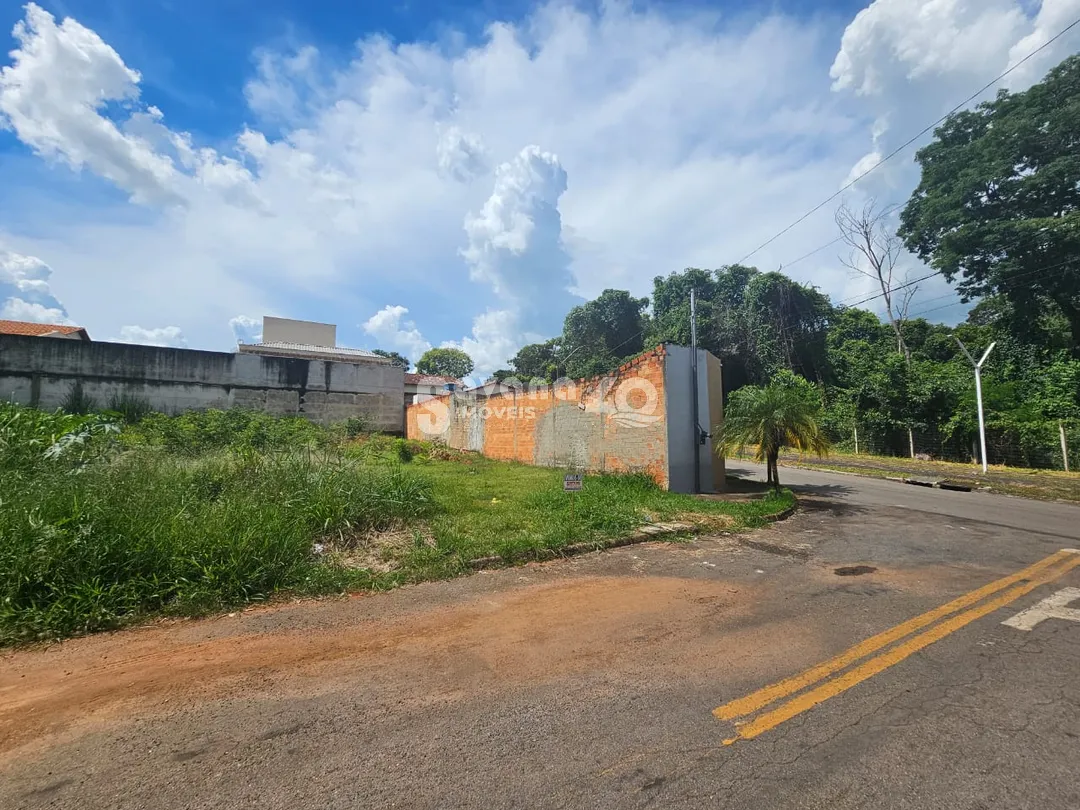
[{"x": 1003, "y": 591}]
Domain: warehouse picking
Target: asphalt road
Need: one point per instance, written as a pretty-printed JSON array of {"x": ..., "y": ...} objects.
[
  {"x": 1048, "y": 518},
  {"x": 597, "y": 681}
]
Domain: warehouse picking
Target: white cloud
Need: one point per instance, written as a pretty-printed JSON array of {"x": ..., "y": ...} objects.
[
  {"x": 682, "y": 140},
  {"x": 283, "y": 84},
  {"x": 515, "y": 242},
  {"x": 52, "y": 94},
  {"x": 893, "y": 42},
  {"x": 1053, "y": 16},
  {"x": 396, "y": 334},
  {"x": 911, "y": 61},
  {"x": 496, "y": 337},
  {"x": 461, "y": 155},
  {"x": 17, "y": 309},
  {"x": 25, "y": 294},
  {"x": 246, "y": 329},
  {"x": 162, "y": 336}
]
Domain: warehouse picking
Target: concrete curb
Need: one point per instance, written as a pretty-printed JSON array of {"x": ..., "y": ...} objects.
[
  {"x": 918, "y": 482},
  {"x": 784, "y": 515},
  {"x": 938, "y": 484},
  {"x": 653, "y": 531}
]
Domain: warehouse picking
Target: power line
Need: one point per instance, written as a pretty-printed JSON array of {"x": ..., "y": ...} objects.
[
  {"x": 890, "y": 291},
  {"x": 910, "y": 141},
  {"x": 884, "y": 213}
]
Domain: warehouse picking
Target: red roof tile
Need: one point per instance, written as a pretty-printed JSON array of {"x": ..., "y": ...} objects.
[
  {"x": 37, "y": 329},
  {"x": 429, "y": 379}
]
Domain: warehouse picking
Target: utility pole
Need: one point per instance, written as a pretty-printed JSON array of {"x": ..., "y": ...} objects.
[
  {"x": 694, "y": 391},
  {"x": 978, "y": 392},
  {"x": 1064, "y": 445}
]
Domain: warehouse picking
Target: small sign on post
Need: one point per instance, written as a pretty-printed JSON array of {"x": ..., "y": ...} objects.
[{"x": 572, "y": 483}]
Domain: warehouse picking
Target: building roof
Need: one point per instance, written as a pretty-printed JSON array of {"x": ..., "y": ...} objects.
[
  {"x": 341, "y": 353},
  {"x": 430, "y": 379},
  {"x": 40, "y": 329}
]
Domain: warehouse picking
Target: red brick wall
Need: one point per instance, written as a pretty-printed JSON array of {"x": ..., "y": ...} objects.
[{"x": 616, "y": 423}]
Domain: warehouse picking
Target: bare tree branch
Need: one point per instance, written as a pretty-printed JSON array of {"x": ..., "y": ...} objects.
[{"x": 874, "y": 253}]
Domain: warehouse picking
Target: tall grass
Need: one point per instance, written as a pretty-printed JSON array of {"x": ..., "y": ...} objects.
[
  {"x": 101, "y": 524},
  {"x": 91, "y": 540},
  {"x": 197, "y": 432}
]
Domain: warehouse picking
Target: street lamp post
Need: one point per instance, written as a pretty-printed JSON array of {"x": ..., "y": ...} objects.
[{"x": 978, "y": 392}]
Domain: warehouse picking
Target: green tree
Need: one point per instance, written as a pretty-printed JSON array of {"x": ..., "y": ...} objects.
[
  {"x": 784, "y": 413},
  {"x": 601, "y": 333},
  {"x": 756, "y": 323},
  {"x": 445, "y": 362},
  {"x": 998, "y": 204},
  {"x": 536, "y": 361},
  {"x": 397, "y": 359}
]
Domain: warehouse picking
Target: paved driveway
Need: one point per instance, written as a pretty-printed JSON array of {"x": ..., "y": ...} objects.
[{"x": 728, "y": 672}]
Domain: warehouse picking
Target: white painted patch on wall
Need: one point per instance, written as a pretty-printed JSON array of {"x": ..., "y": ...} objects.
[{"x": 1052, "y": 607}]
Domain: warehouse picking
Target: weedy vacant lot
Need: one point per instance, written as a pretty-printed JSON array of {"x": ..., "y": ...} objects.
[{"x": 109, "y": 518}]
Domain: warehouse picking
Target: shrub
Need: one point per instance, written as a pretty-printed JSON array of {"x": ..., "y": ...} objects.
[
  {"x": 30, "y": 438},
  {"x": 78, "y": 401},
  {"x": 405, "y": 451},
  {"x": 129, "y": 407},
  {"x": 196, "y": 432},
  {"x": 356, "y": 426}
]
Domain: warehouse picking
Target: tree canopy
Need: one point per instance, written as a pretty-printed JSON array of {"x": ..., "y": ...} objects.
[
  {"x": 397, "y": 359},
  {"x": 597, "y": 334},
  {"x": 446, "y": 363},
  {"x": 998, "y": 205}
]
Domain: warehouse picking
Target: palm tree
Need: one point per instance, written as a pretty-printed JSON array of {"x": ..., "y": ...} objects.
[{"x": 784, "y": 413}]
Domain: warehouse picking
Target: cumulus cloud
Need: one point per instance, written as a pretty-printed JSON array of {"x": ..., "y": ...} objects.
[
  {"x": 17, "y": 309},
  {"x": 169, "y": 336},
  {"x": 52, "y": 95},
  {"x": 347, "y": 181},
  {"x": 911, "y": 61},
  {"x": 394, "y": 333},
  {"x": 515, "y": 241},
  {"x": 25, "y": 294},
  {"x": 461, "y": 155},
  {"x": 496, "y": 336},
  {"x": 246, "y": 329}
]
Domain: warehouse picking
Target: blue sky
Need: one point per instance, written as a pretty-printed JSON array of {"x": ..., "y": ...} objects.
[{"x": 430, "y": 173}]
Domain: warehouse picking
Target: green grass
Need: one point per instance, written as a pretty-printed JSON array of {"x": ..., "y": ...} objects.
[
  {"x": 103, "y": 525},
  {"x": 494, "y": 508}
]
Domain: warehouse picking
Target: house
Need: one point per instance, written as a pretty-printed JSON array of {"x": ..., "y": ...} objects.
[
  {"x": 43, "y": 330},
  {"x": 422, "y": 387},
  {"x": 306, "y": 340}
]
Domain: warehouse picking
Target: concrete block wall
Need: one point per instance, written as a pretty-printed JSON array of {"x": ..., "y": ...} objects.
[{"x": 42, "y": 371}]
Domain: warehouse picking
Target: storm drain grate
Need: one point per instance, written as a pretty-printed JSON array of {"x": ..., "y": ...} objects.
[{"x": 854, "y": 570}]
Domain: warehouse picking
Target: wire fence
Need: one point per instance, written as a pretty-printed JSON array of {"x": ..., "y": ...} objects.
[{"x": 1035, "y": 445}]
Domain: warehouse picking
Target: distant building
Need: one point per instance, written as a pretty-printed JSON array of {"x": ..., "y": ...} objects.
[
  {"x": 43, "y": 330},
  {"x": 422, "y": 387},
  {"x": 306, "y": 340}
]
